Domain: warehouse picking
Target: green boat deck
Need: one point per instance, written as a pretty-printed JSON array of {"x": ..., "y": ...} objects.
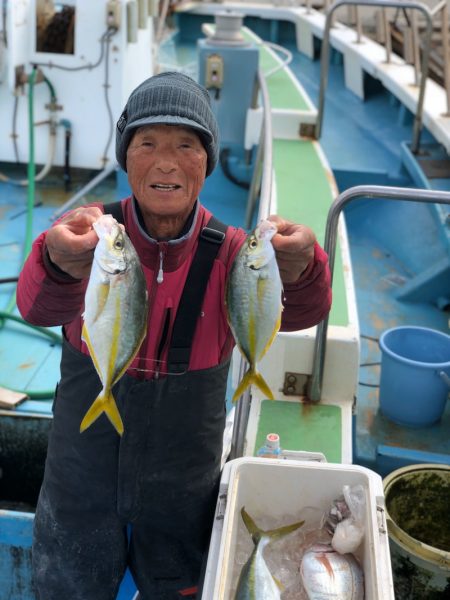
[{"x": 310, "y": 427}]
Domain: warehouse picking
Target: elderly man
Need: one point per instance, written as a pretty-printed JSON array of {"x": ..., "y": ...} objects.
[{"x": 159, "y": 480}]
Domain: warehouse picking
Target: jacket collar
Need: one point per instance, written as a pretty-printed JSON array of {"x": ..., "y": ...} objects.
[{"x": 175, "y": 251}]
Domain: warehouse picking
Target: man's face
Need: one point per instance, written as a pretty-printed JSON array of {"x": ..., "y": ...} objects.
[{"x": 166, "y": 167}]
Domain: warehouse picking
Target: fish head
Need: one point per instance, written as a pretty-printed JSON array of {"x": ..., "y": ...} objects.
[
  {"x": 111, "y": 250},
  {"x": 258, "y": 248}
]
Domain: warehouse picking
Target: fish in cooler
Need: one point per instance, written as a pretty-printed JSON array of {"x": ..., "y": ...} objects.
[
  {"x": 255, "y": 581},
  {"x": 328, "y": 575}
]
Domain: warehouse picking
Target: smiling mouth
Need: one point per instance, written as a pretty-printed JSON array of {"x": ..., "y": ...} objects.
[{"x": 165, "y": 187}]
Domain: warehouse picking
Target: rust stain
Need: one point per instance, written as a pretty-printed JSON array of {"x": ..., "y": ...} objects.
[
  {"x": 377, "y": 322},
  {"x": 380, "y": 323},
  {"x": 27, "y": 365},
  {"x": 399, "y": 437},
  {"x": 306, "y": 407},
  {"x": 307, "y": 138},
  {"x": 331, "y": 179},
  {"x": 369, "y": 418}
]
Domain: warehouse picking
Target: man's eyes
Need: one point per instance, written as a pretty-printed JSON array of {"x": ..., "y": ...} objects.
[{"x": 183, "y": 145}]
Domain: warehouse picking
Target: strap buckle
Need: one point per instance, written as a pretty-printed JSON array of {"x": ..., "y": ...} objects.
[{"x": 212, "y": 235}]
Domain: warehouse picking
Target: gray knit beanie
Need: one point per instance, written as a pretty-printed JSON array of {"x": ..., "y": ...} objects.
[{"x": 169, "y": 98}]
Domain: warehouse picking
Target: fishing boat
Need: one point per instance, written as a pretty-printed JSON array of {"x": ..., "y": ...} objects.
[{"x": 333, "y": 115}]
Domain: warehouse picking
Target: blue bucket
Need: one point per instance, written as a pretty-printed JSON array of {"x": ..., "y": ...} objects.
[{"x": 415, "y": 375}]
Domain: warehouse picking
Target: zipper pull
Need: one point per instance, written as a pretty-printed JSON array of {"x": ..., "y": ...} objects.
[{"x": 160, "y": 277}]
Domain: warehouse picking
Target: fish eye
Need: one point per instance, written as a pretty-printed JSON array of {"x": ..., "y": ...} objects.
[
  {"x": 253, "y": 243},
  {"x": 118, "y": 244}
]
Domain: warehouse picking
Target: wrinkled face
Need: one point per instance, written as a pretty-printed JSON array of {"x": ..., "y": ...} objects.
[{"x": 166, "y": 167}]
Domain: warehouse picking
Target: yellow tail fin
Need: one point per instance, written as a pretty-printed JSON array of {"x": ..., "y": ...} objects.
[
  {"x": 258, "y": 533},
  {"x": 104, "y": 403},
  {"x": 253, "y": 377}
]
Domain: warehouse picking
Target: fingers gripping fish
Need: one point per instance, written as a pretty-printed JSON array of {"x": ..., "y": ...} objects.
[
  {"x": 115, "y": 316},
  {"x": 253, "y": 299}
]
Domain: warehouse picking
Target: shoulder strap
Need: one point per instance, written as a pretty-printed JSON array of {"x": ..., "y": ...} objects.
[
  {"x": 210, "y": 240},
  {"x": 114, "y": 209}
]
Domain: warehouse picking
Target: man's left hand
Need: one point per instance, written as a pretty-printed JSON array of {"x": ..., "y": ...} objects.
[{"x": 294, "y": 248}]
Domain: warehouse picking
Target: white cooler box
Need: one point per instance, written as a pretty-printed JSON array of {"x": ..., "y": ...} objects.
[{"x": 289, "y": 491}]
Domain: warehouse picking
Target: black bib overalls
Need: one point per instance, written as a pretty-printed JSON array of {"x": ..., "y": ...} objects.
[{"x": 160, "y": 477}]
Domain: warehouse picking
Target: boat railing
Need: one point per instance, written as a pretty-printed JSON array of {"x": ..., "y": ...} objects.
[
  {"x": 419, "y": 80},
  {"x": 261, "y": 186},
  {"x": 441, "y": 28},
  {"x": 439, "y": 14},
  {"x": 371, "y": 192}
]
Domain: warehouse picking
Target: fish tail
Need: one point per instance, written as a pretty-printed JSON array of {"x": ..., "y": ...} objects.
[
  {"x": 257, "y": 533},
  {"x": 253, "y": 377},
  {"x": 104, "y": 403}
]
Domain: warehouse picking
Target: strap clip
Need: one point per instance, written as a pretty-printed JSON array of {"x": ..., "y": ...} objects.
[{"x": 212, "y": 235}]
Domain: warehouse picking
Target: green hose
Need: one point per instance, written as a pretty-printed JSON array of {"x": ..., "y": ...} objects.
[
  {"x": 31, "y": 173},
  {"x": 51, "y": 89}
]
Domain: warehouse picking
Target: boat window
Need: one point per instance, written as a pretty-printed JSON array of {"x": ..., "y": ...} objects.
[{"x": 55, "y": 26}]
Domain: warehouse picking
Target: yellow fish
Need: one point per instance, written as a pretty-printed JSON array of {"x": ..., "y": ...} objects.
[
  {"x": 115, "y": 316},
  {"x": 253, "y": 299},
  {"x": 255, "y": 581}
]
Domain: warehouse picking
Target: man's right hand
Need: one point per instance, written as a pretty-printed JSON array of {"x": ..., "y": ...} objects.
[{"x": 72, "y": 241}]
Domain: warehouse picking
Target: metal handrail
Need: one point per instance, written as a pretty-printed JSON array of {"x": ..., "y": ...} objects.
[
  {"x": 314, "y": 391},
  {"x": 266, "y": 178},
  {"x": 325, "y": 58},
  {"x": 262, "y": 176},
  {"x": 263, "y": 159},
  {"x": 106, "y": 172},
  {"x": 441, "y": 7}
]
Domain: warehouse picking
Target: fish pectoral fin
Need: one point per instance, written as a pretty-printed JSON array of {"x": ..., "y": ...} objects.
[
  {"x": 272, "y": 337},
  {"x": 102, "y": 297},
  {"x": 252, "y": 377},
  {"x": 85, "y": 336},
  {"x": 104, "y": 403}
]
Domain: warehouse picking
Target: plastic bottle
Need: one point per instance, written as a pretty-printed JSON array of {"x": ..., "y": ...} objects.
[{"x": 271, "y": 448}]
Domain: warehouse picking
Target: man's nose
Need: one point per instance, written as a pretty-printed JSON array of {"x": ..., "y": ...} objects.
[{"x": 166, "y": 161}]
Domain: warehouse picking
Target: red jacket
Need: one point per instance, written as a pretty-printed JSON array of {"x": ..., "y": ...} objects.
[{"x": 47, "y": 297}]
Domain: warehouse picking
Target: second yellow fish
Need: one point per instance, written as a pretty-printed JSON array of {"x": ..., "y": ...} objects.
[{"x": 253, "y": 298}]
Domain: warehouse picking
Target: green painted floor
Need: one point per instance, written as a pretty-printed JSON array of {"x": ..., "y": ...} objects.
[
  {"x": 312, "y": 428},
  {"x": 283, "y": 93},
  {"x": 304, "y": 196}
]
